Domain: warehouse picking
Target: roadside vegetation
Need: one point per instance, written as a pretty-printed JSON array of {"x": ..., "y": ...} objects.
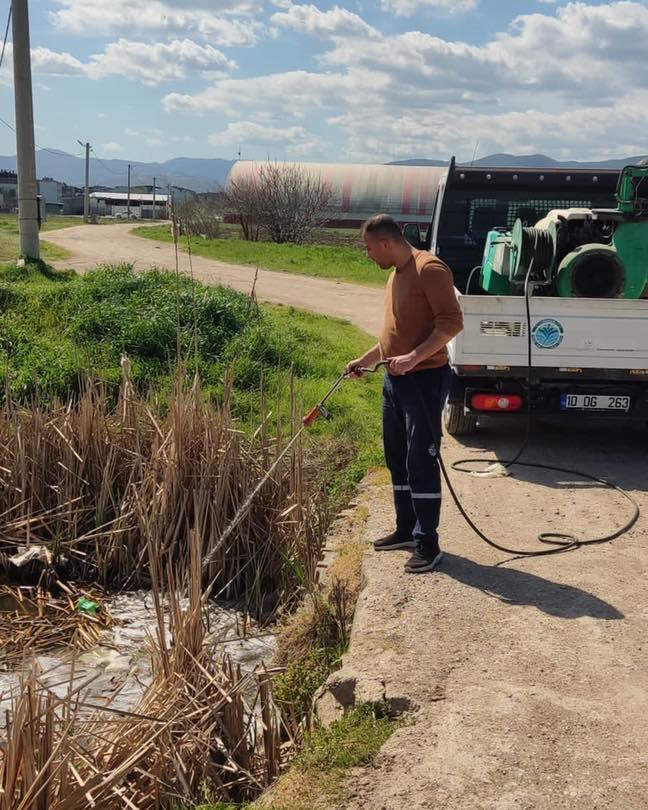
[
  {"x": 317, "y": 774},
  {"x": 56, "y": 327},
  {"x": 10, "y": 242},
  {"x": 341, "y": 262}
]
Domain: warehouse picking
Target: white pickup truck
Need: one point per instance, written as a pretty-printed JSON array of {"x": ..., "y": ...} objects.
[
  {"x": 586, "y": 356},
  {"x": 560, "y": 324}
]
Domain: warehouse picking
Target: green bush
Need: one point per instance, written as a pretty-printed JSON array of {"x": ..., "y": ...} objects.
[{"x": 143, "y": 314}]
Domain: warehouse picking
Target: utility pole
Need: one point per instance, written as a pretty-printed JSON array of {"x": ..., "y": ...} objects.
[
  {"x": 25, "y": 146},
  {"x": 169, "y": 202},
  {"x": 128, "y": 198},
  {"x": 86, "y": 196},
  {"x": 153, "y": 216}
]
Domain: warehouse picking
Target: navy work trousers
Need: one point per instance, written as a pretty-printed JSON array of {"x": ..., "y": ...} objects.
[{"x": 411, "y": 419}]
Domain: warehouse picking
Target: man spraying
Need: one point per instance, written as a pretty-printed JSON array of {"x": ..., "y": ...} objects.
[{"x": 422, "y": 315}]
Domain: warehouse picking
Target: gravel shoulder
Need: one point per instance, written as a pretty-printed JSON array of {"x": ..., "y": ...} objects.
[{"x": 527, "y": 679}]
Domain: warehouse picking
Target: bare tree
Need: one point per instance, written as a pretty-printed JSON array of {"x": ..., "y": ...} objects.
[
  {"x": 200, "y": 216},
  {"x": 242, "y": 202},
  {"x": 281, "y": 199}
]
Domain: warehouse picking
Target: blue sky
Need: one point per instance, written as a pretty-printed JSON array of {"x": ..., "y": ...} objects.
[{"x": 353, "y": 81}]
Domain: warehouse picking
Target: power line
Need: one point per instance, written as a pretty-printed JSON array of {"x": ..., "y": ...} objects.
[
  {"x": 40, "y": 148},
  {"x": 7, "y": 124},
  {"x": 4, "y": 44},
  {"x": 106, "y": 167}
]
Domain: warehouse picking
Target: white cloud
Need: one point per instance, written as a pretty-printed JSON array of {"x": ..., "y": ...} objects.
[
  {"x": 290, "y": 141},
  {"x": 149, "y": 63},
  {"x": 593, "y": 134},
  {"x": 55, "y": 64},
  {"x": 43, "y": 60},
  {"x": 588, "y": 52},
  {"x": 111, "y": 148},
  {"x": 414, "y": 93},
  {"x": 406, "y": 8},
  {"x": 336, "y": 22},
  {"x": 293, "y": 93},
  {"x": 153, "y": 16}
]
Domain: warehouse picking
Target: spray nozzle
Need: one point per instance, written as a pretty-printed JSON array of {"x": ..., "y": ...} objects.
[{"x": 314, "y": 414}]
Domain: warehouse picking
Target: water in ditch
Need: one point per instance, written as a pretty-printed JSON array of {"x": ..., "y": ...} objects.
[{"x": 118, "y": 668}]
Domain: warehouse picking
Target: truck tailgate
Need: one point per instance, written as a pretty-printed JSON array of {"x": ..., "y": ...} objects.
[{"x": 565, "y": 332}]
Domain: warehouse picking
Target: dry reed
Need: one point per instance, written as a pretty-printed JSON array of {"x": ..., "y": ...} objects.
[
  {"x": 192, "y": 733},
  {"x": 33, "y": 621},
  {"x": 89, "y": 482}
]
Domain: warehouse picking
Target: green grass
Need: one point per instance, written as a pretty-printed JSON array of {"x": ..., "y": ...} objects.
[
  {"x": 351, "y": 741},
  {"x": 342, "y": 263},
  {"x": 56, "y": 325},
  {"x": 316, "y": 777},
  {"x": 54, "y": 222},
  {"x": 10, "y": 240}
]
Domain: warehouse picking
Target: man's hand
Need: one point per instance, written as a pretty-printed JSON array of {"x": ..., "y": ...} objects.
[
  {"x": 353, "y": 368},
  {"x": 402, "y": 363}
]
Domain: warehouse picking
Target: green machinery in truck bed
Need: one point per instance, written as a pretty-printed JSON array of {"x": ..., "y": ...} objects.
[{"x": 576, "y": 252}]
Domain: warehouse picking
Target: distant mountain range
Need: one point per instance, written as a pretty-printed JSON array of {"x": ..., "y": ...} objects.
[
  {"x": 198, "y": 174},
  {"x": 210, "y": 174},
  {"x": 502, "y": 159}
]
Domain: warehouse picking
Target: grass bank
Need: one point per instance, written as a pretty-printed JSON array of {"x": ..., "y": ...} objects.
[
  {"x": 10, "y": 240},
  {"x": 316, "y": 777},
  {"x": 341, "y": 263},
  {"x": 56, "y": 326}
]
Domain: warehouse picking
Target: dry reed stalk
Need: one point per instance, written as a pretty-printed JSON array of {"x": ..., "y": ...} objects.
[{"x": 88, "y": 482}]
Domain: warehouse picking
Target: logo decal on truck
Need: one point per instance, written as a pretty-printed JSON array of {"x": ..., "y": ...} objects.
[{"x": 547, "y": 334}]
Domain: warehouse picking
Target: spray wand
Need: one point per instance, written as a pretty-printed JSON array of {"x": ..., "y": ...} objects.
[{"x": 319, "y": 410}]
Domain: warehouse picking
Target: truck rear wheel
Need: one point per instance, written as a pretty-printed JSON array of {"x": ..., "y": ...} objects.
[{"x": 456, "y": 422}]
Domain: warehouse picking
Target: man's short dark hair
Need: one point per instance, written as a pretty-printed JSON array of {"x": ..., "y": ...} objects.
[{"x": 382, "y": 226}]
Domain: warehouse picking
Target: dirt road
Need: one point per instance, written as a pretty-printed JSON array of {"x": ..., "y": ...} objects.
[
  {"x": 529, "y": 680},
  {"x": 91, "y": 245}
]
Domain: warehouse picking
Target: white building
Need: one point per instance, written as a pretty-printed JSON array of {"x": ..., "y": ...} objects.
[{"x": 116, "y": 204}]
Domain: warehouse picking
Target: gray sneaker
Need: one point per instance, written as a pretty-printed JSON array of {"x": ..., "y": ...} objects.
[
  {"x": 393, "y": 541},
  {"x": 423, "y": 560}
]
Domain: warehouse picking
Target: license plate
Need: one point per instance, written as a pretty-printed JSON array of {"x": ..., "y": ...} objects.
[{"x": 594, "y": 402}]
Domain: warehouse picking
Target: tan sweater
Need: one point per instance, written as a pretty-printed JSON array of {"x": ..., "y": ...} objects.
[{"x": 420, "y": 298}]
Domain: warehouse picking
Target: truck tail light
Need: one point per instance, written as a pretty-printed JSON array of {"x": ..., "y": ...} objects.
[{"x": 496, "y": 402}]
